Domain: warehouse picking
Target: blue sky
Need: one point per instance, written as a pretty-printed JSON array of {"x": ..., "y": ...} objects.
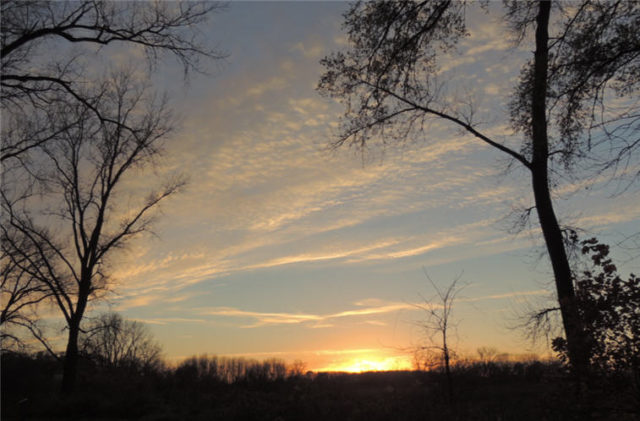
[{"x": 280, "y": 247}]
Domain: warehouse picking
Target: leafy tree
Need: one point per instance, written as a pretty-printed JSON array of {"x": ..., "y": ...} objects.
[
  {"x": 116, "y": 343},
  {"x": 79, "y": 218},
  {"x": 610, "y": 308},
  {"x": 388, "y": 81}
]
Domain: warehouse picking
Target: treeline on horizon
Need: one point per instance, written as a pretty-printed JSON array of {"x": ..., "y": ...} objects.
[
  {"x": 221, "y": 388},
  {"x": 238, "y": 369}
]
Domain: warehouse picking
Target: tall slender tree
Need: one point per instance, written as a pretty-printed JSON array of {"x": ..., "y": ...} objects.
[{"x": 388, "y": 80}]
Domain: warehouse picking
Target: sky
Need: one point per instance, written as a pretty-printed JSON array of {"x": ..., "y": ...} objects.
[{"x": 280, "y": 247}]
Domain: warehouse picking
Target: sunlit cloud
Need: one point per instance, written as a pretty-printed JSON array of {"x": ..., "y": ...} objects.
[
  {"x": 305, "y": 258},
  {"x": 622, "y": 213},
  {"x": 267, "y": 318},
  {"x": 273, "y": 84},
  {"x": 322, "y": 326},
  {"x": 420, "y": 250},
  {"x": 369, "y": 307},
  {"x": 169, "y": 320},
  {"x": 309, "y": 51},
  {"x": 236, "y": 259},
  {"x": 375, "y": 323},
  {"x": 345, "y": 351},
  {"x": 507, "y": 295},
  {"x": 263, "y": 318}
]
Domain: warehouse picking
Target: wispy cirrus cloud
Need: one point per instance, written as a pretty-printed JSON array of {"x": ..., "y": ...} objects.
[
  {"x": 364, "y": 308},
  {"x": 280, "y": 318},
  {"x": 164, "y": 281},
  {"x": 507, "y": 295},
  {"x": 169, "y": 320}
]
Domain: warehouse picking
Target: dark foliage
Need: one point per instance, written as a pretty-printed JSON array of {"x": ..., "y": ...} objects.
[{"x": 610, "y": 308}]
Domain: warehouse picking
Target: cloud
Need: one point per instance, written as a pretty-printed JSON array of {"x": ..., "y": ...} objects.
[
  {"x": 273, "y": 84},
  {"x": 308, "y": 258},
  {"x": 267, "y": 194},
  {"x": 420, "y": 250},
  {"x": 505, "y": 296},
  {"x": 165, "y": 277},
  {"x": 622, "y": 213},
  {"x": 313, "y": 51},
  {"x": 407, "y": 252},
  {"x": 269, "y": 318},
  {"x": 346, "y": 351},
  {"x": 493, "y": 89},
  {"x": 368, "y": 307},
  {"x": 167, "y": 320},
  {"x": 375, "y": 323}
]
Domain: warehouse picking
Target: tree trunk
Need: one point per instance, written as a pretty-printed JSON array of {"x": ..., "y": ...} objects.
[
  {"x": 577, "y": 346},
  {"x": 71, "y": 356},
  {"x": 447, "y": 369},
  {"x": 70, "y": 369}
]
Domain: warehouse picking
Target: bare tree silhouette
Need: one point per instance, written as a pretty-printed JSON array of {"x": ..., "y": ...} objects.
[
  {"x": 116, "y": 343},
  {"x": 68, "y": 139},
  {"x": 34, "y": 79},
  {"x": 21, "y": 292},
  {"x": 69, "y": 231},
  {"x": 438, "y": 326}
]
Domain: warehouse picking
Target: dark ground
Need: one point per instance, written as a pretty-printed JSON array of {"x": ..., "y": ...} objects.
[{"x": 493, "y": 391}]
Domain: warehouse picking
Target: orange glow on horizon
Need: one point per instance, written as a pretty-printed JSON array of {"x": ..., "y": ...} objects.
[{"x": 370, "y": 363}]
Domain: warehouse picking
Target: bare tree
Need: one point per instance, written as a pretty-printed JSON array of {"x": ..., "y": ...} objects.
[
  {"x": 438, "y": 326},
  {"x": 487, "y": 354},
  {"x": 114, "y": 342},
  {"x": 80, "y": 218},
  {"x": 47, "y": 94},
  {"x": 388, "y": 80},
  {"x": 33, "y": 79},
  {"x": 21, "y": 292}
]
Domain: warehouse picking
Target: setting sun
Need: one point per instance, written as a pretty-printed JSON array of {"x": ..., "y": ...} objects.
[{"x": 361, "y": 365}]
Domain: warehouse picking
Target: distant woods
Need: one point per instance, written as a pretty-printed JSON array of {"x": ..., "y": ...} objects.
[
  {"x": 210, "y": 387},
  {"x": 73, "y": 136},
  {"x": 229, "y": 370}
]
